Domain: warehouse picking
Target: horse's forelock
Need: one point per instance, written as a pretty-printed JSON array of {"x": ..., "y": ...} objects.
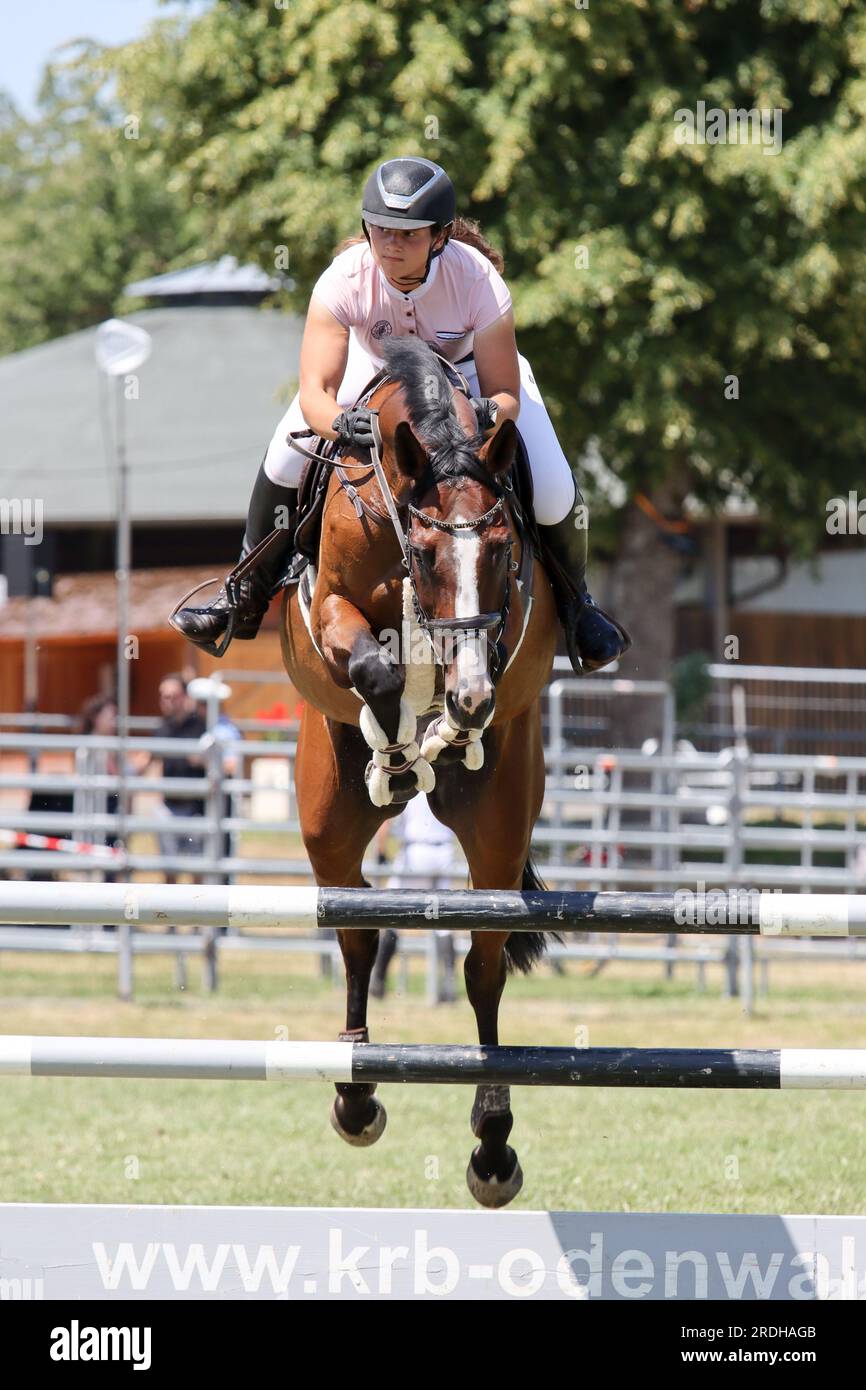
[{"x": 429, "y": 400}]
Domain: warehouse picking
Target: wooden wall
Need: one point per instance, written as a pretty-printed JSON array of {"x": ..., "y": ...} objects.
[
  {"x": 71, "y": 669},
  {"x": 779, "y": 639}
]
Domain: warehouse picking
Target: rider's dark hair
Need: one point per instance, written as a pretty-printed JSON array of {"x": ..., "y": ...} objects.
[
  {"x": 175, "y": 676},
  {"x": 91, "y": 709},
  {"x": 464, "y": 229}
]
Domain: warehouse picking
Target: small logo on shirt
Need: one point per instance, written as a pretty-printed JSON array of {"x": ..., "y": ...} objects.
[
  {"x": 452, "y": 335},
  {"x": 381, "y": 329}
]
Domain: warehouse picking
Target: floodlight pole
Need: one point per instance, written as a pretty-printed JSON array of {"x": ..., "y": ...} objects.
[
  {"x": 123, "y": 560},
  {"x": 121, "y": 348}
]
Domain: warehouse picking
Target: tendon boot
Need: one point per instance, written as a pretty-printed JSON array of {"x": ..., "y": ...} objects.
[
  {"x": 593, "y": 638},
  {"x": 243, "y": 600}
]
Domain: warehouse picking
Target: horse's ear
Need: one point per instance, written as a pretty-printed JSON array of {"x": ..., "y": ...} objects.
[
  {"x": 499, "y": 453},
  {"x": 408, "y": 452}
]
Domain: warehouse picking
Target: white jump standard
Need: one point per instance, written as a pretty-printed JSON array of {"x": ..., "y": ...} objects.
[
  {"x": 742, "y": 912},
  {"x": 216, "y": 1060}
]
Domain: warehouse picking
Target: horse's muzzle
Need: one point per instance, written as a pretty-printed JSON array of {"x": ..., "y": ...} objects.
[{"x": 470, "y": 706}]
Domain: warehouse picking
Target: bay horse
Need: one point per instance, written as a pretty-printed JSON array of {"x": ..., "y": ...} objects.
[{"x": 422, "y": 544}]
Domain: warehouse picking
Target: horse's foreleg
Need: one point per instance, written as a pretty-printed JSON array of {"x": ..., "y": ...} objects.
[
  {"x": 388, "y": 723},
  {"x": 355, "y": 658},
  {"x": 494, "y": 1175}
]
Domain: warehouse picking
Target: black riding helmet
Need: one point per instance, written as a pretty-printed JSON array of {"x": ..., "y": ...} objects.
[{"x": 409, "y": 192}]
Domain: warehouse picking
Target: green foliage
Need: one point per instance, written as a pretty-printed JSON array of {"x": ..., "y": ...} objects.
[
  {"x": 81, "y": 212},
  {"x": 645, "y": 272},
  {"x": 692, "y": 685}
]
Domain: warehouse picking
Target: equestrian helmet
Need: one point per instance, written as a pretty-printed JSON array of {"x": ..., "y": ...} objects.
[{"x": 409, "y": 192}]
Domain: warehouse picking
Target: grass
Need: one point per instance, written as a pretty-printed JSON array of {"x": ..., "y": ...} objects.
[{"x": 67, "y": 1140}]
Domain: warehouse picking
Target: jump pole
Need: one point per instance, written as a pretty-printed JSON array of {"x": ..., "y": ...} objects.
[
  {"x": 771, "y": 1069},
  {"x": 738, "y": 912}
]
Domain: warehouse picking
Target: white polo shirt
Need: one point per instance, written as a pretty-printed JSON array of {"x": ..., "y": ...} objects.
[{"x": 462, "y": 295}]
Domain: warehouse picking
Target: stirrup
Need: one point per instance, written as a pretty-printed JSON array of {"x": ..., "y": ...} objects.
[
  {"x": 213, "y": 648},
  {"x": 249, "y": 562}
]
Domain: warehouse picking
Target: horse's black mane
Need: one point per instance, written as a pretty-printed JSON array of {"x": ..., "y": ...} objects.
[{"x": 452, "y": 453}]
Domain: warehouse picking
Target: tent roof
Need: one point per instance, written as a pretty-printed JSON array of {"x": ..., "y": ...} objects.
[
  {"x": 214, "y": 387},
  {"x": 224, "y": 276}
]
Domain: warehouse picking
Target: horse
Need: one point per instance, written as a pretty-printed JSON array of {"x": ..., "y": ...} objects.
[{"x": 423, "y": 636}]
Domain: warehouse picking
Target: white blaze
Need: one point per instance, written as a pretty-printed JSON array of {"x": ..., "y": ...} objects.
[{"x": 471, "y": 651}]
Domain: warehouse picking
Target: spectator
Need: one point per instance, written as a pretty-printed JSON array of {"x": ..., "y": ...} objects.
[
  {"x": 208, "y": 693},
  {"x": 425, "y": 859},
  {"x": 179, "y": 720},
  {"x": 53, "y": 802},
  {"x": 98, "y": 716},
  {"x": 205, "y": 689}
]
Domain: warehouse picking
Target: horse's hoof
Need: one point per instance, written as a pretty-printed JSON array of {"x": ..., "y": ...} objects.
[
  {"x": 493, "y": 1191},
  {"x": 400, "y": 793},
  {"x": 372, "y": 1130}
]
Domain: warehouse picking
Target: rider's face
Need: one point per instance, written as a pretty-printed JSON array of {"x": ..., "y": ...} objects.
[{"x": 401, "y": 254}]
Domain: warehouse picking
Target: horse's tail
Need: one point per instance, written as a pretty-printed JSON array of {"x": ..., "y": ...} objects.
[{"x": 524, "y": 948}]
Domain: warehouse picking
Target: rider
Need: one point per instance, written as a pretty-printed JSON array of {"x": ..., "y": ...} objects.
[{"x": 409, "y": 275}]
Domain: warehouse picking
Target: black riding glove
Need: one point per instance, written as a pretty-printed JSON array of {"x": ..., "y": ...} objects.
[
  {"x": 486, "y": 411},
  {"x": 353, "y": 428}
]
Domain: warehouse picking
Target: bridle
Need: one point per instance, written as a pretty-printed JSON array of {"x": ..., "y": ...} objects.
[{"x": 492, "y": 624}]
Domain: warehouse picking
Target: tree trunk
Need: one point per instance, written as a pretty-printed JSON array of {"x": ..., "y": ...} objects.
[{"x": 641, "y": 595}]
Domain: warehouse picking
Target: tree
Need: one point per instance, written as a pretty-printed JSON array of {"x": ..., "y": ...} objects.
[{"x": 81, "y": 213}]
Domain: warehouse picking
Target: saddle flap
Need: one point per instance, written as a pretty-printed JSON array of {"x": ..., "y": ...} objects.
[{"x": 311, "y": 500}]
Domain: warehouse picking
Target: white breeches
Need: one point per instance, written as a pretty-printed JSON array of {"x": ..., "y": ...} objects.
[{"x": 551, "y": 475}]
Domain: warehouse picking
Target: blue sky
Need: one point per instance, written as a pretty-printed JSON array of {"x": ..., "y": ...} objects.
[{"x": 31, "y": 29}]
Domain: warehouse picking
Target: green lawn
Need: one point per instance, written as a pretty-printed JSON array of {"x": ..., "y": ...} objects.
[{"x": 65, "y": 1140}]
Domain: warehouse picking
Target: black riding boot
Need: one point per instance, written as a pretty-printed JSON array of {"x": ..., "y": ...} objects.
[
  {"x": 242, "y": 602},
  {"x": 593, "y": 637}
]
